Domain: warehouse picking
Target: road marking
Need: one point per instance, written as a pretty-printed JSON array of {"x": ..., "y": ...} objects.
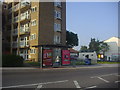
[
  {"x": 38, "y": 87},
  {"x": 117, "y": 81},
  {"x": 34, "y": 84},
  {"x": 91, "y": 87},
  {"x": 103, "y": 79},
  {"x": 20, "y": 86},
  {"x": 104, "y": 75},
  {"x": 117, "y": 75},
  {"x": 76, "y": 84},
  {"x": 55, "y": 82}
]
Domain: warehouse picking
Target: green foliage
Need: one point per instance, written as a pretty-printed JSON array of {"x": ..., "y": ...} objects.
[
  {"x": 104, "y": 46},
  {"x": 96, "y": 45},
  {"x": 84, "y": 49},
  {"x": 10, "y": 60},
  {"x": 71, "y": 39},
  {"x": 31, "y": 63}
]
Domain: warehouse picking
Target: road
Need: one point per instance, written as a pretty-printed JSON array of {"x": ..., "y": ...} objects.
[{"x": 82, "y": 78}]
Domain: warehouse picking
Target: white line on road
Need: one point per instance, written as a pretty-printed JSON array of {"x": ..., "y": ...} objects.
[
  {"x": 55, "y": 82},
  {"x": 34, "y": 84},
  {"x": 91, "y": 87},
  {"x": 117, "y": 75},
  {"x": 117, "y": 81},
  {"x": 76, "y": 84},
  {"x": 103, "y": 79},
  {"x": 104, "y": 75},
  {"x": 39, "y": 86}
]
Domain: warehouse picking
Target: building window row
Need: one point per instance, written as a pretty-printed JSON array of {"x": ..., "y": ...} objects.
[
  {"x": 57, "y": 3},
  {"x": 33, "y": 36},
  {"x": 57, "y": 27},
  {"x": 33, "y": 22},
  {"x": 32, "y": 51},
  {"x": 33, "y": 9},
  {"x": 57, "y": 39},
  {"x": 57, "y": 14},
  {"x": 16, "y": 7}
]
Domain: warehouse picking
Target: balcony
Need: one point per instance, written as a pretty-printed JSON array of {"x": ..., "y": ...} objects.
[
  {"x": 14, "y": 44},
  {"x": 15, "y": 32},
  {"x": 24, "y": 17},
  {"x": 57, "y": 4},
  {"x": 24, "y": 44},
  {"x": 16, "y": 19},
  {"x": 24, "y": 4},
  {"x": 24, "y": 30},
  {"x": 16, "y": 7},
  {"x": 10, "y": 10}
]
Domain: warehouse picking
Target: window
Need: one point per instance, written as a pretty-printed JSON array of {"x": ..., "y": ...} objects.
[
  {"x": 57, "y": 14},
  {"x": 33, "y": 36},
  {"x": 32, "y": 51},
  {"x": 33, "y": 22},
  {"x": 57, "y": 3},
  {"x": 57, "y": 27},
  {"x": 33, "y": 9},
  {"x": 56, "y": 39}
]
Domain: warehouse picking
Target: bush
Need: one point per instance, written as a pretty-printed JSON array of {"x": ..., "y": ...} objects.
[
  {"x": 31, "y": 63},
  {"x": 10, "y": 60}
]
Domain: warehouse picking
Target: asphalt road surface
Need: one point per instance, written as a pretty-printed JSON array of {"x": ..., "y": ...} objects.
[{"x": 82, "y": 78}]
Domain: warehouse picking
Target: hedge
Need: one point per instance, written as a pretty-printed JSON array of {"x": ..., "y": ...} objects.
[{"x": 10, "y": 60}]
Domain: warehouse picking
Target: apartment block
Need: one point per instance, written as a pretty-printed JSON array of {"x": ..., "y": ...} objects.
[{"x": 36, "y": 26}]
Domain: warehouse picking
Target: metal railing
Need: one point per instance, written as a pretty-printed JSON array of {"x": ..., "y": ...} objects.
[
  {"x": 24, "y": 30},
  {"x": 23, "y": 4},
  {"x": 24, "y": 17},
  {"x": 16, "y": 19},
  {"x": 16, "y": 7},
  {"x": 24, "y": 43}
]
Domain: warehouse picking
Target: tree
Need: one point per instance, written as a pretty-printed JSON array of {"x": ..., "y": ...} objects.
[
  {"x": 104, "y": 47},
  {"x": 96, "y": 45},
  {"x": 83, "y": 49},
  {"x": 71, "y": 39}
]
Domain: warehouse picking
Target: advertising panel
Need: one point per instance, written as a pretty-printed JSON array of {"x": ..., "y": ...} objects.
[
  {"x": 65, "y": 57},
  {"x": 47, "y": 57}
]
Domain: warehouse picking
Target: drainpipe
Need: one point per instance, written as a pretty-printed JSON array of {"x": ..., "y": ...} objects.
[{"x": 41, "y": 52}]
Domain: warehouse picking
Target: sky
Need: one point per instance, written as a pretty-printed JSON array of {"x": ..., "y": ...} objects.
[{"x": 92, "y": 20}]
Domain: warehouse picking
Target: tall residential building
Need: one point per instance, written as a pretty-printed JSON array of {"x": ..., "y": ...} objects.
[{"x": 34, "y": 25}]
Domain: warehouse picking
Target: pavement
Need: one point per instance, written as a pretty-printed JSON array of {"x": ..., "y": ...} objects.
[{"x": 62, "y": 67}]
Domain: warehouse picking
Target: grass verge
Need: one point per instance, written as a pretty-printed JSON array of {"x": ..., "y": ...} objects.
[{"x": 105, "y": 62}]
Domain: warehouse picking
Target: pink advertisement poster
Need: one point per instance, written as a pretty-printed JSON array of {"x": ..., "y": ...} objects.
[
  {"x": 47, "y": 57},
  {"x": 65, "y": 57}
]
